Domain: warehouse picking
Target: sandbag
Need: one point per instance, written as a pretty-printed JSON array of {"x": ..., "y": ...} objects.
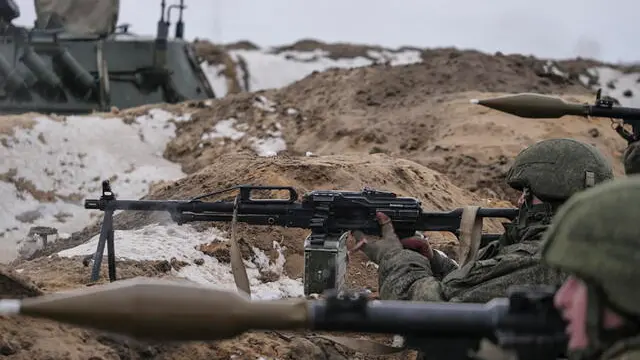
[{"x": 81, "y": 17}]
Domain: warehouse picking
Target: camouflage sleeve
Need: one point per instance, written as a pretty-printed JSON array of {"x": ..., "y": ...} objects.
[
  {"x": 628, "y": 354},
  {"x": 407, "y": 275},
  {"x": 631, "y": 158},
  {"x": 441, "y": 264}
]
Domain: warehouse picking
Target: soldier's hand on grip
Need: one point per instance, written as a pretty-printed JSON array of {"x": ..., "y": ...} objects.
[{"x": 375, "y": 247}]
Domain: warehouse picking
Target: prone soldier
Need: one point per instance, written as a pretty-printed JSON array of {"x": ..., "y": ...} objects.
[{"x": 547, "y": 173}]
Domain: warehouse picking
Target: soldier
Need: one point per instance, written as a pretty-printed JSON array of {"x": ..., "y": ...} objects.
[
  {"x": 596, "y": 240},
  {"x": 547, "y": 173}
]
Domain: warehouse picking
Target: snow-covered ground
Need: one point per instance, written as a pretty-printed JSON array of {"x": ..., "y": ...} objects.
[
  {"x": 160, "y": 242},
  {"x": 623, "y": 87},
  {"x": 269, "y": 142},
  {"x": 51, "y": 164},
  {"x": 269, "y": 71}
]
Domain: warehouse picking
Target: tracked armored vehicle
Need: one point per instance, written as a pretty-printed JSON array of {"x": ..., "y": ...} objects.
[{"x": 76, "y": 60}]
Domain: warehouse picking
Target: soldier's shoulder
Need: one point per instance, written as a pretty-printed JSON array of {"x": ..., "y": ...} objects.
[
  {"x": 628, "y": 354},
  {"x": 626, "y": 349}
]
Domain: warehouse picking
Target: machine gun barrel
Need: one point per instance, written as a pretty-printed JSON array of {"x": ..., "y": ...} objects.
[
  {"x": 185, "y": 206},
  {"x": 357, "y": 215}
]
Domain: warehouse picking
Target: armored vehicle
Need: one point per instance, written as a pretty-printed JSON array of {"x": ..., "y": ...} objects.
[{"x": 76, "y": 60}]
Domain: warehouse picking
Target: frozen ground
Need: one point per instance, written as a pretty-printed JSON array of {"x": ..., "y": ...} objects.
[
  {"x": 160, "y": 242},
  {"x": 269, "y": 142},
  {"x": 269, "y": 70},
  {"x": 50, "y": 165}
]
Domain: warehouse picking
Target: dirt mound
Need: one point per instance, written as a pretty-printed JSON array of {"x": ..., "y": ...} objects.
[
  {"x": 397, "y": 111},
  {"x": 13, "y": 285},
  {"x": 33, "y": 339},
  {"x": 337, "y": 51},
  {"x": 239, "y": 58}
]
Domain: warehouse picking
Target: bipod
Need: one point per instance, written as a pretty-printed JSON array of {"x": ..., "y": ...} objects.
[{"x": 106, "y": 238}]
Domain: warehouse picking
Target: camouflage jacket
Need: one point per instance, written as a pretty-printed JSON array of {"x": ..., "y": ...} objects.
[
  {"x": 631, "y": 158},
  {"x": 514, "y": 259},
  {"x": 626, "y": 349}
]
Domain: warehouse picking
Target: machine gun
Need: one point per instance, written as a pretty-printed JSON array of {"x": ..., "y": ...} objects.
[
  {"x": 525, "y": 322},
  {"x": 327, "y": 213},
  {"x": 539, "y": 106}
]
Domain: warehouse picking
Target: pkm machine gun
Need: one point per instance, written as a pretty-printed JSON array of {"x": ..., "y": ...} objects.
[
  {"x": 327, "y": 213},
  {"x": 529, "y": 105}
]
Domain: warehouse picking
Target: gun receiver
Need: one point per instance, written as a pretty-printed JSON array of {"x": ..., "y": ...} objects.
[{"x": 327, "y": 213}]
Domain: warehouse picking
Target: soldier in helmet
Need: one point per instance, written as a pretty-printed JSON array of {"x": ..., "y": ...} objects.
[
  {"x": 547, "y": 173},
  {"x": 595, "y": 239}
]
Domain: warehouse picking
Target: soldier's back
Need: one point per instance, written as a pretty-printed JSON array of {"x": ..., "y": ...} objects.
[{"x": 486, "y": 278}]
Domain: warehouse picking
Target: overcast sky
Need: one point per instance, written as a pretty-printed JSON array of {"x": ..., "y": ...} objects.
[{"x": 607, "y": 30}]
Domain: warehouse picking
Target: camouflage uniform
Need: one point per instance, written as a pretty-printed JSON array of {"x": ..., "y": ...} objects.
[
  {"x": 552, "y": 170},
  {"x": 631, "y": 158},
  {"x": 595, "y": 237}
]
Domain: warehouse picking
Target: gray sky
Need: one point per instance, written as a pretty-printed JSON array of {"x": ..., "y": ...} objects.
[{"x": 606, "y": 30}]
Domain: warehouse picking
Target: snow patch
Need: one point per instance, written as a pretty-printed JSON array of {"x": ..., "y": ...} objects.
[
  {"x": 224, "y": 129},
  {"x": 214, "y": 74},
  {"x": 47, "y": 170},
  {"x": 269, "y": 71},
  {"x": 624, "y": 87},
  {"x": 164, "y": 242},
  {"x": 269, "y": 144}
]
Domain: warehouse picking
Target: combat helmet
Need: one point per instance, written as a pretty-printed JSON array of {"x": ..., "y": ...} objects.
[
  {"x": 595, "y": 236},
  {"x": 555, "y": 169}
]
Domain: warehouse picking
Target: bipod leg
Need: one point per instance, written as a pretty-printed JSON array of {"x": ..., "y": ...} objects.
[
  {"x": 111, "y": 255},
  {"x": 107, "y": 226}
]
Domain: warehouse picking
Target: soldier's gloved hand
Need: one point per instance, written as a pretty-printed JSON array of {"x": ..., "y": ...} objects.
[
  {"x": 374, "y": 247},
  {"x": 419, "y": 243}
]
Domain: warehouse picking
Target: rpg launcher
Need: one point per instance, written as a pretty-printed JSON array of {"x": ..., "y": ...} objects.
[
  {"x": 528, "y": 105},
  {"x": 525, "y": 322},
  {"x": 327, "y": 213}
]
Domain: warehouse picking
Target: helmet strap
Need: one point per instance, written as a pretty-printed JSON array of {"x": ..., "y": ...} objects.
[{"x": 528, "y": 214}]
